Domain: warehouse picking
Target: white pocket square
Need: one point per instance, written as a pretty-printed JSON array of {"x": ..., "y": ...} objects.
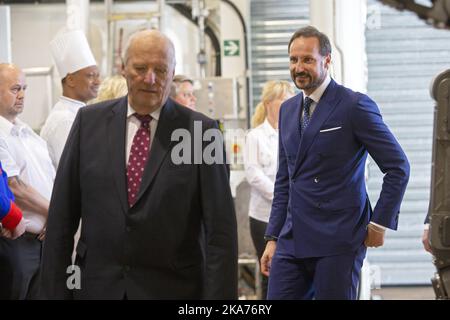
[{"x": 330, "y": 129}]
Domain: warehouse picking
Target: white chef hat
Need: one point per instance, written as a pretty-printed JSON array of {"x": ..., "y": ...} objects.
[{"x": 71, "y": 52}]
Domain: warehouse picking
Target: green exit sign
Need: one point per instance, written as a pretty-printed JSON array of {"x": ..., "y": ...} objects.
[{"x": 231, "y": 48}]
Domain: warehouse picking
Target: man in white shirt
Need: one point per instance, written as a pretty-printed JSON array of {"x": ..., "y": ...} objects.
[
  {"x": 80, "y": 82},
  {"x": 25, "y": 157}
]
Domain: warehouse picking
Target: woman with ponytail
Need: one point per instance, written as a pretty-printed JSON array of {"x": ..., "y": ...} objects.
[{"x": 260, "y": 160}]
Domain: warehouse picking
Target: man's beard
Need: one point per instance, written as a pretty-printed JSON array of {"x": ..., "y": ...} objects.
[{"x": 311, "y": 83}]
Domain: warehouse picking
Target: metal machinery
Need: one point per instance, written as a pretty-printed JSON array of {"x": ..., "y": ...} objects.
[
  {"x": 126, "y": 17},
  {"x": 438, "y": 14},
  {"x": 439, "y": 210},
  {"x": 218, "y": 98}
]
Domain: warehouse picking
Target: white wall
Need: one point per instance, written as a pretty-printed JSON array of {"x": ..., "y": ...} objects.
[
  {"x": 350, "y": 36},
  {"x": 32, "y": 28},
  {"x": 231, "y": 29},
  {"x": 344, "y": 23},
  {"x": 5, "y": 34}
]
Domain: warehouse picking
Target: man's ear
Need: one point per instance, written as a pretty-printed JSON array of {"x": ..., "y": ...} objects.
[
  {"x": 69, "y": 80},
  {"x": 122, "y": 69},
  {"x": 327, "y": 61}
]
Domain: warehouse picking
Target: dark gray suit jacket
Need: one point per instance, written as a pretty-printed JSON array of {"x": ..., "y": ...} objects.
[{"x": 179, "y": 241}]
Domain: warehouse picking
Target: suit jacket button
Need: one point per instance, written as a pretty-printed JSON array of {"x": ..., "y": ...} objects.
[
  {"x": 128, "y": 229},
  {"x": 319, "y": 205},
  {"x": 316, "y": 180}
]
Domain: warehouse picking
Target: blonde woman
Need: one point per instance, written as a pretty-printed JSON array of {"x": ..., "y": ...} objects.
[
  {"x": 111, "y": 88},
  {"x": 260, "y": 160}
]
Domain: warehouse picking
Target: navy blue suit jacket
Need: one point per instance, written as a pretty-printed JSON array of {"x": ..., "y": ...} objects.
[{"x": 320, "y": 205}]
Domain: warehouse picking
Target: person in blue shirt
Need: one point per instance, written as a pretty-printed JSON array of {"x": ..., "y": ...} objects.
[
  {"x": 12, "y": 222},
  {"x": 12, "y": 226}
]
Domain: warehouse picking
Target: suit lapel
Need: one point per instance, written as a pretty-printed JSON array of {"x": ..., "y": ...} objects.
[
  {"x": 293, "y": 128},
  {"x": 298, "y": 132},
  {"x": 160, "y": 145},
  {"x": 324, "y": 108},
  {"x": 116, "y": 145}
]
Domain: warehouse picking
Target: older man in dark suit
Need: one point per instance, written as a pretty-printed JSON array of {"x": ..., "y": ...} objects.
[{"x": 152, "y": 228}]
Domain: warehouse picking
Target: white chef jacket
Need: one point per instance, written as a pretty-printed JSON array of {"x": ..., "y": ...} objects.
[{"x": 57, "y": 126}]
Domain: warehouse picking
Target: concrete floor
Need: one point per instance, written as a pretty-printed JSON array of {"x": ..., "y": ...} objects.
[
  {"x": 404, "y": 293},
  {"x": 388, "y": 293}
]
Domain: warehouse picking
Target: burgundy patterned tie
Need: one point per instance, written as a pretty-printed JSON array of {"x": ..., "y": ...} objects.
[{"x": 138, "y": 157}]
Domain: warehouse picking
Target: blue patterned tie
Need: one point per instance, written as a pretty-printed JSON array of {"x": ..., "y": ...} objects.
[{"x": 306, "y": 116}]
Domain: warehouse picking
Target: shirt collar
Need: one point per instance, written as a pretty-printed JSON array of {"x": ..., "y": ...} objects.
[
  {"x": 155, "y": 114},
  {"x": 5, "y": 126},
  {"x": 72, "y": 104},
  {"x": 9, "y": 128},
  {"x": 317, "y": 94},
  {"x": 268, "y": 128}
]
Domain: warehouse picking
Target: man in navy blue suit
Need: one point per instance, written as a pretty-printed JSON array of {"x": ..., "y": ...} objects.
[{"x": 321, "y": 220}]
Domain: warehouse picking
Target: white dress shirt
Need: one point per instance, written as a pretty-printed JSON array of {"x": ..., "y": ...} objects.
[
  {"x": 24, "y": 154},
  {"x": 57, "y": 126},
  {"x": 260, "y": 161},
  {"x": 133, "y": 124},
  {"x": 317, "y": 94}
]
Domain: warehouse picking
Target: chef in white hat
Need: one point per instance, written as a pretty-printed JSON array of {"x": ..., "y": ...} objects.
[{"x": 80, "y": 82}]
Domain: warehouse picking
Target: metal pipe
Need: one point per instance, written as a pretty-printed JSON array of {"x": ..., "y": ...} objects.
[
  {"x": 110, "y": 37},
  {"x": 200, "y": 12},
  {"x": 161, "y": 4},
  {"x": 187, "y": 13}
]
